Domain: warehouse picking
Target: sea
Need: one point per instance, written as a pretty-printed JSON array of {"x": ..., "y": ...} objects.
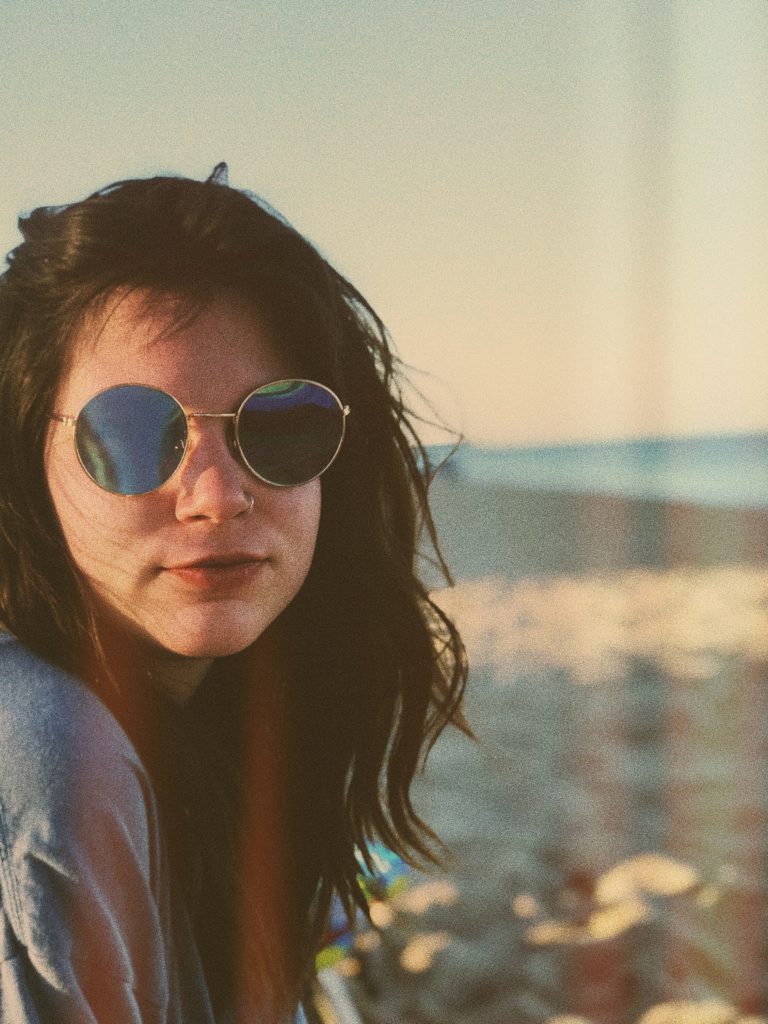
[{"x": 726, "y": 470}]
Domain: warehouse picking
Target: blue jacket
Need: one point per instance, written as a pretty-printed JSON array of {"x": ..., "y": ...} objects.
[{"x": 85, "y": 904}]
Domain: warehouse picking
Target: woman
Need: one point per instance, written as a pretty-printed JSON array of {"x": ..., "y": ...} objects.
[{"x": 219, "y": 670}]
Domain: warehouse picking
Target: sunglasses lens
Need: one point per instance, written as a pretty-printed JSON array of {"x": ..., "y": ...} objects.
[
  {"x": 131, "y": 439},
  {"x": 290, "y": 432}
]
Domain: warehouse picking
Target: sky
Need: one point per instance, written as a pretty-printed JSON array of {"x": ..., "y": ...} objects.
[{"x": 559, "y": 208}]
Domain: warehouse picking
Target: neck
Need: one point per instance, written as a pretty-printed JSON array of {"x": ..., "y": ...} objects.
[
  {"x": 178, "y": 677},
  {"x": 131, "y": 656}
]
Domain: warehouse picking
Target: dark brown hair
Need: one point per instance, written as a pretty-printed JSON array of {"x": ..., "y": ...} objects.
[{"x": 370, "y": 669}]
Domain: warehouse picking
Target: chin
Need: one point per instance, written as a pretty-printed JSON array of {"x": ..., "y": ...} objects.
[
  {"x": 212, "y": 644},
  {"x": 202, "y": 649},
  {"x": 204, "y": 635}
]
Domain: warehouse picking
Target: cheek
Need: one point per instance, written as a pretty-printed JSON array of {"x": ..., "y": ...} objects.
[
  {"x": 302, "y": 510},
  {"x": 312, "y": 508},
  {"x": 95, "y": 525},
  {"x": 71, "y": 502}
]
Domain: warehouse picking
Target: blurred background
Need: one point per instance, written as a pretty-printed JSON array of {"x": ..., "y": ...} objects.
[{"x": 560, "y": 209}]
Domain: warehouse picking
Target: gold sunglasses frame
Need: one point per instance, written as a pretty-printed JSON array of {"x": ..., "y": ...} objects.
[{"x": 71, "y": 421}]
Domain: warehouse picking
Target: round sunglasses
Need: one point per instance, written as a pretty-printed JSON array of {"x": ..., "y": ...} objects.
[{"x": 131, "y": 438}]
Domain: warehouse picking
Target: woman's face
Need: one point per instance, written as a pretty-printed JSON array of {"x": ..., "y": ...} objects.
[{"x": 201, "y": 566}]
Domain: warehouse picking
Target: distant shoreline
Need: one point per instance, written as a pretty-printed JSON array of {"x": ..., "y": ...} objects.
[
  {"x": 488, "y": 529},
  {"x": 719, "y": 471}
]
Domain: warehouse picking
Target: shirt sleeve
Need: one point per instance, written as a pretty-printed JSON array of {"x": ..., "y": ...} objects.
[
  {"x": 83, "y": 929},
  {"x": 85, "y": 941}
]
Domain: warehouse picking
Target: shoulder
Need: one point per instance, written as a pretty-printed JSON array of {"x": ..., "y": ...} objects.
[
  {"x": 60, "y": 747},
  {"x": 81, "y": 878},
  {"x": 51, "y": 718}
]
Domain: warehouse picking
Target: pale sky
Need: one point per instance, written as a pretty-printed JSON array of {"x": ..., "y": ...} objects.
[{"x": 560, "y": 207}]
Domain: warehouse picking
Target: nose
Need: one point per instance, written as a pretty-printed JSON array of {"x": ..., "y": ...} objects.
[{"x": 211, "y": 482}]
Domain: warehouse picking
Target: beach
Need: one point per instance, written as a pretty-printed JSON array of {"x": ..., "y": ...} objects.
[{"x": 607, "y": 830}]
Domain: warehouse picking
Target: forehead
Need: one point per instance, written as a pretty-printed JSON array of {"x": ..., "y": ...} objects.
[{"x": 204, "y": 357}]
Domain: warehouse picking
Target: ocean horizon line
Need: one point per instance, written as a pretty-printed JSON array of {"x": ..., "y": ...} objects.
[{"x": 719, "y": 470}]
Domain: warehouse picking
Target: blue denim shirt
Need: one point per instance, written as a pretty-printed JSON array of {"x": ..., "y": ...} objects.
[{"x": 85, "y": 905}]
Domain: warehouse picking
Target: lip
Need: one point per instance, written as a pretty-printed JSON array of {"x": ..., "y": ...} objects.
[{"x": 218, "y": 570}]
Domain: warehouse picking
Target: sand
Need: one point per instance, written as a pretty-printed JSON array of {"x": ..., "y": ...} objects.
[{"x": 608, "y": 830}]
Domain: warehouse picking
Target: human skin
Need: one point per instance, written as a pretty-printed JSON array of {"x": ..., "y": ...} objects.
[{"x": 136, "y": 553}]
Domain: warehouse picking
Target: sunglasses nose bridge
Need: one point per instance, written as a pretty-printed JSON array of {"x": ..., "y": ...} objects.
[
  {"x": 211, "y": 415},
  {"x": 212, "y": 482},
  {"x": 192, "y": 416}
]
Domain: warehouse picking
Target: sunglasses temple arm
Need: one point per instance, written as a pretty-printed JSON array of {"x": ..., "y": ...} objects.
[{"x": 211, "y": 415}]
